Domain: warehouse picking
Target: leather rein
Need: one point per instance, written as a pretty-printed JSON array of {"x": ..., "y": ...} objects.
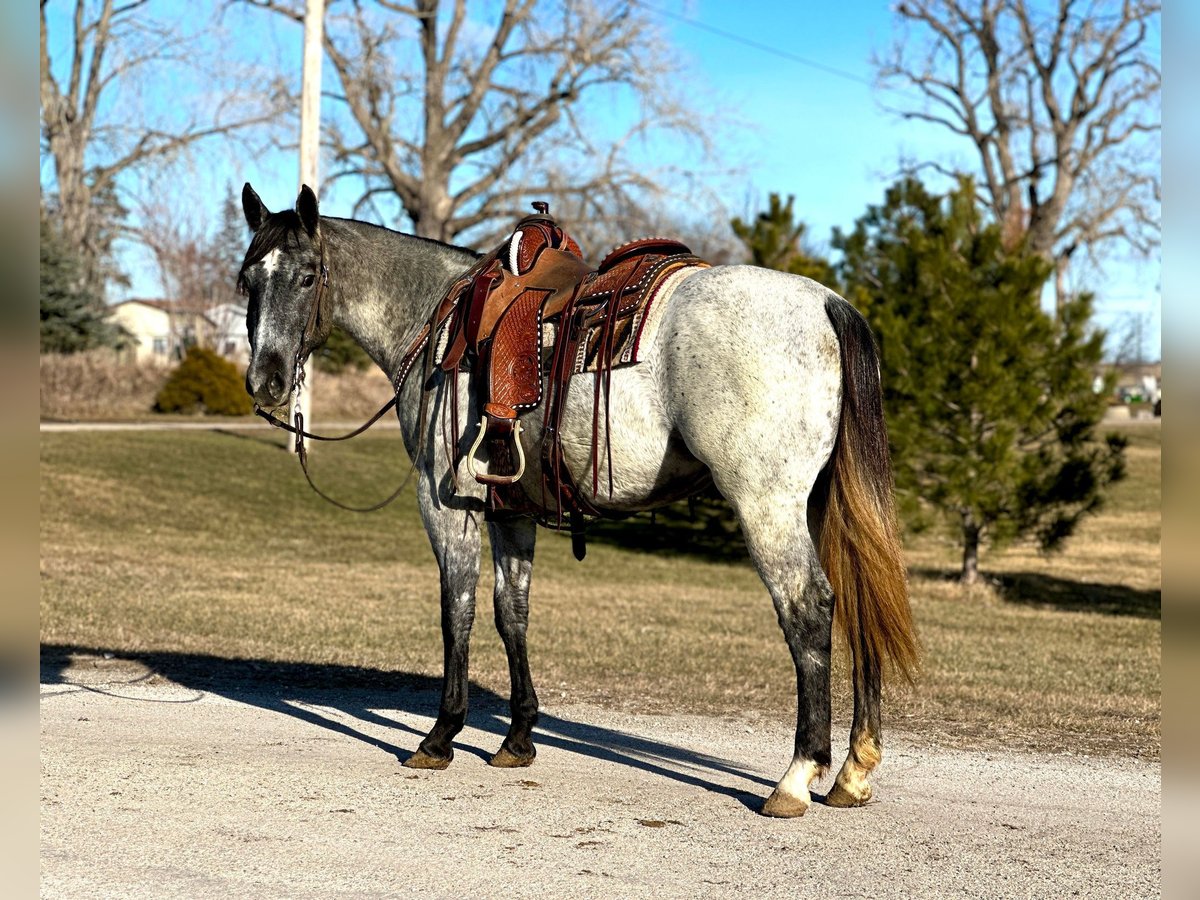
[{"x": 296, "y": 427}]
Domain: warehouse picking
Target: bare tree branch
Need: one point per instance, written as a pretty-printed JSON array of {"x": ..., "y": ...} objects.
[
  {"x": 92, "y": 143},
  {"x": 461, "y": 121},
  {"x": 1045, "y": 99}
]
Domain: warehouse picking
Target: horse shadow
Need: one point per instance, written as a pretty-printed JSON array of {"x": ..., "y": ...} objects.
[{"x": 357, "y": 692}]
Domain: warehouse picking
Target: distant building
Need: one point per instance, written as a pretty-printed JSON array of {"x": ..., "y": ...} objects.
[
  {"x": 1136, "y": 383},
  {"x": 161, "y": 330},
  {"x": 229, "y": 338}
]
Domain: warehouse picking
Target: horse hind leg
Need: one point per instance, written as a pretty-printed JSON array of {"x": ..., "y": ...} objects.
[
  {"x": 779, "y": 541},
  {"x": 512, "y": 553},
  {"x": 851, "y": 787}
]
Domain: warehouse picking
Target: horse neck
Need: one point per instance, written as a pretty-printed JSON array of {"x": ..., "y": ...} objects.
[{"x": 383, "y": 284}]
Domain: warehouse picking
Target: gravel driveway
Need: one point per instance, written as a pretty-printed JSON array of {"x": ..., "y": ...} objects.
[{"x": 153, "y": 788}]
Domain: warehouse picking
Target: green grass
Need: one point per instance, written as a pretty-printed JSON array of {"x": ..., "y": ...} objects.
[{"x": 211, "y": 543}]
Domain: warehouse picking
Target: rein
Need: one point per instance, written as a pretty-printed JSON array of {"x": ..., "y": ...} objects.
[{"x": 311, "y": 329}]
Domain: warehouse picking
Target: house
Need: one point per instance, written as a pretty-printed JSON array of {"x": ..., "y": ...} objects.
[
  {"x": 1137, "y": 386},
  {"x": 228, "y": 335},
  {"x": 161, "y": 330}
]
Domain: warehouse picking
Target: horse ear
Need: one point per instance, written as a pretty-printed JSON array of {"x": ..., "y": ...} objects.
[
  {"x": 306, "y": 206},
  {"x": 256, "y": 211}
]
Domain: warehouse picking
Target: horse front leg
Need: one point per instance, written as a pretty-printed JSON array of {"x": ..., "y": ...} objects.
[
  {"x": 512, "y": 553},
  {"x": 455, "y": 537}
]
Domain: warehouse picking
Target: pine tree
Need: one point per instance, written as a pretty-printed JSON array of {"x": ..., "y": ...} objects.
[
  {"x": 73, "y": 317},
  {"x": 228, "y": 246},
  {"x": 775, "y": 240},
  {"x": 991, "y": 412},
  {"x": 340, "y": 352}
]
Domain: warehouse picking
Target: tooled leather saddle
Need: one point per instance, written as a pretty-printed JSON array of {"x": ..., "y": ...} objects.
[{"x": 493, "y": 324}]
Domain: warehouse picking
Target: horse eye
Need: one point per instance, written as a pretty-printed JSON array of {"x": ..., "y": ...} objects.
[{"x": 307, "y": 280}]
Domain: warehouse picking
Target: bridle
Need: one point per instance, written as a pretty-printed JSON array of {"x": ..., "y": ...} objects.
[{"x": 309, "y": 340}]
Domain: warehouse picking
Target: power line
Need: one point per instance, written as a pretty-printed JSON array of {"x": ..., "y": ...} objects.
[{"x": 750, "y": 42}]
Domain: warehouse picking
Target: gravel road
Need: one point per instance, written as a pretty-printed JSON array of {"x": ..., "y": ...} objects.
[{"x": 152, "y": 788}]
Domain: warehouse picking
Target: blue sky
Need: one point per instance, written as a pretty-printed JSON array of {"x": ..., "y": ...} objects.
[{"x": 795, "y": 128}]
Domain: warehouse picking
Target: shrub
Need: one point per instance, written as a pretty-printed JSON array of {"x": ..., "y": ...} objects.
[{"x": 205, "y": 382}]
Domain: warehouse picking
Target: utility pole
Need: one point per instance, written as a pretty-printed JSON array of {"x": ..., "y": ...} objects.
[{"x": 310, "y": 140}]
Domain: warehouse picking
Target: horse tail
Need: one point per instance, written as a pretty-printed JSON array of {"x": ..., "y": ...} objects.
[{"x": 860, "y": 541}]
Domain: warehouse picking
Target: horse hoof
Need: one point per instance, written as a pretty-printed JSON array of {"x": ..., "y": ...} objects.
[
  {"x": 842, "y": 797},
  {"x": 422, "y": 760},
  {"x": 784, "y": 806},
  {"x": 506, "y": 760}
]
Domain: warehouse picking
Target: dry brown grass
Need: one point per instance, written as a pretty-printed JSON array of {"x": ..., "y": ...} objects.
[
  {"x": 349, "y": 395},
  {"x": 1062, "y": 649},
  {"x": 101, "y": 385},
  {"x": 209, "y": 543},
  {"x": 98, "y": 384}
]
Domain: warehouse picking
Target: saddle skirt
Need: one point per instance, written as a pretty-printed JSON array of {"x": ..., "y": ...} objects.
[{"x": 521, "y": 323}]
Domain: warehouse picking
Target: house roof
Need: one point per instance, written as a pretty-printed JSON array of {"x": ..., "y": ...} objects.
[{"x": 170, "y": 306}]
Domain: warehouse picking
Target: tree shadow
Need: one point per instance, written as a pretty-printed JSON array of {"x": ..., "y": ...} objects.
[
  {"x": 708, "y": 530},
  {"x": 1033, "y": 589},
  {"x": 358, "y": 693},
  {"x": 1049, "y": 592}
]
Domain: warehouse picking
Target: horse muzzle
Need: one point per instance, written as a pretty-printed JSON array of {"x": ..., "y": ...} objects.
[{"x": 268, "y": 385}]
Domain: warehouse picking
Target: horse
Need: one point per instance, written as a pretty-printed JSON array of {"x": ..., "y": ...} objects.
[{"x": 764, "y": 384}]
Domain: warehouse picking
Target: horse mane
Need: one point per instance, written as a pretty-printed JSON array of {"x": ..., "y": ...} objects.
[
  {"x": 280, "y": 226},
  {"x": 445, "y": 245}
]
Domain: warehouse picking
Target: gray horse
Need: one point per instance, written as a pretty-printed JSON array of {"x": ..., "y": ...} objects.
[{"x": 766, "y": 384}]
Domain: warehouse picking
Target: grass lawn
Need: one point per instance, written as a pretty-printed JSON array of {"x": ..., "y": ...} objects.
[{"x": 210, "y": 543}]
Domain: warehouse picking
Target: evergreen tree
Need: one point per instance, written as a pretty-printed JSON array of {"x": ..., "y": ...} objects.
[
  {"x": 107, "y": 223},
  {"x": 775, "y": 240},
  {"x": 229, "y": 243},
  {"x": 340, "y": 352},
  {"x": 73, "y": 317},
  {"x": 992, "y": 417}
]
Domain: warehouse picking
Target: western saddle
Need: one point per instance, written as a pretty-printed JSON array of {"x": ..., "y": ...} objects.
[{"x": 492, "y": 325}]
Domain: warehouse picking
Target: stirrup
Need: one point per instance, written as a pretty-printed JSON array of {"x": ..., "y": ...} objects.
[{"x": 486, "y": 477}]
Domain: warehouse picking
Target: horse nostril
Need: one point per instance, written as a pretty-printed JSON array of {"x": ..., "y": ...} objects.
[{"x": 275, "y": 387}]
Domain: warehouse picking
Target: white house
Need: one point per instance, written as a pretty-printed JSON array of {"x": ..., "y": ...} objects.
[
  {"x": 160, "y": 330},
  {"x": 148, "y": 324},
  {"x": 228, "y": 336}
]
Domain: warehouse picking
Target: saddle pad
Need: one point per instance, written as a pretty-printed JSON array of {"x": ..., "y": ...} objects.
[{"x": 632, "y": 332}]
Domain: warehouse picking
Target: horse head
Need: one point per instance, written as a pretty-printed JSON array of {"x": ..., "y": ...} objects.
[{"x": 283, "y": 277}]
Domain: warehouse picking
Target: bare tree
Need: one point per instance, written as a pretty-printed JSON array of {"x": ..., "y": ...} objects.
[
  {"x": 188, "y": 260},
  {"x": 89, "y": 135},
  {"x": 193, "y": 269},
  {"x": 600, "y": 225},
  {"x": 1061, "y": 106},
  {"x": 463, "y": 123},
  {"x": 1130, "y": 340}
]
